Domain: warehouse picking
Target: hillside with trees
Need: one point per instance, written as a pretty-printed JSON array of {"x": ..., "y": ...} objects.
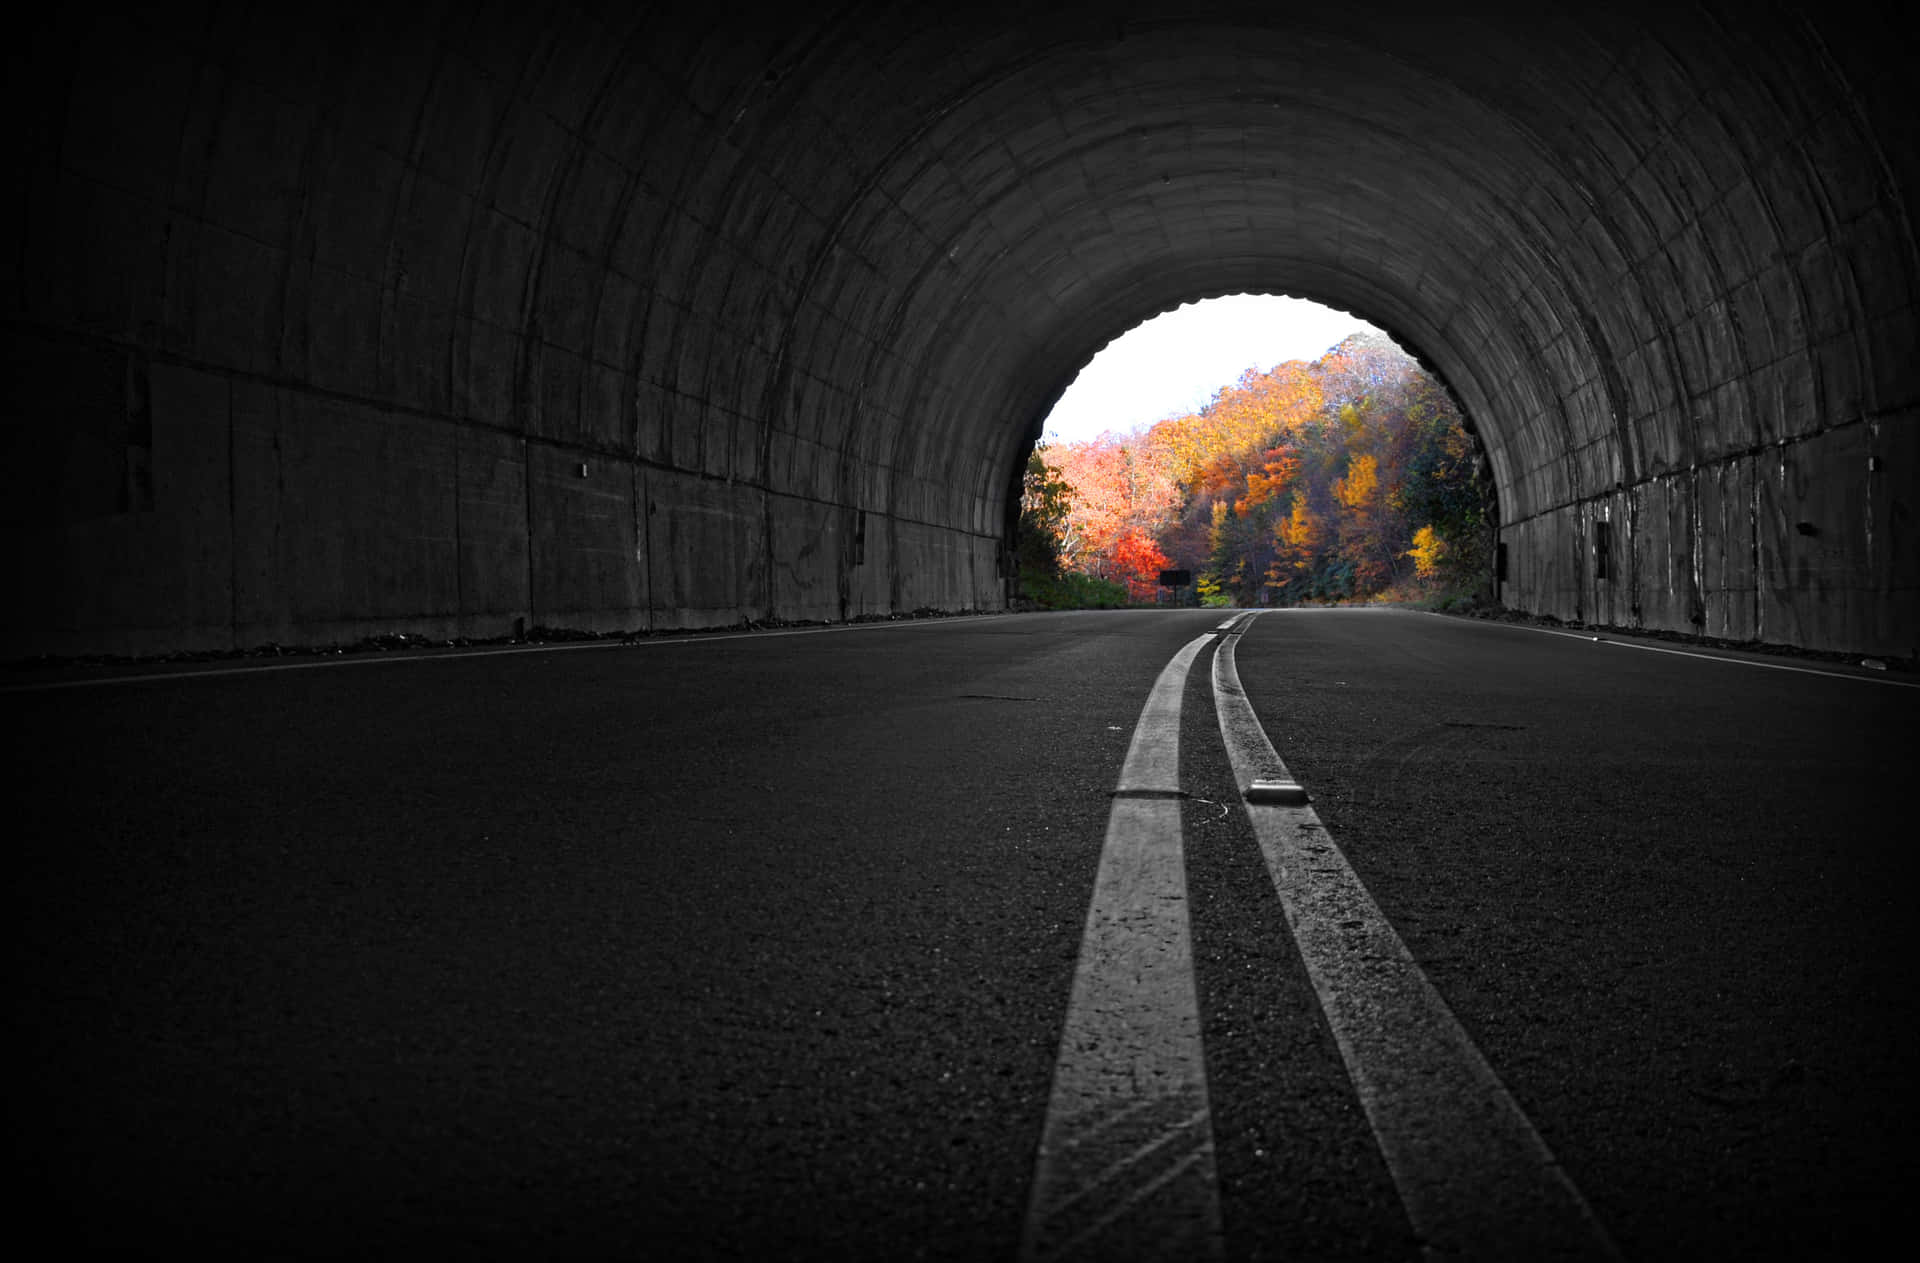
[{"x": 1349, "y": 478}]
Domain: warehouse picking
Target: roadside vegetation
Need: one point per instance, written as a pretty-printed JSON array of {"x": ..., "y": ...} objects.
[{"x": 1345, "y": 480}]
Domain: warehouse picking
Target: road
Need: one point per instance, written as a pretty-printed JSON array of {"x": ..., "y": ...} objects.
[{"x": 763, "y": 946}]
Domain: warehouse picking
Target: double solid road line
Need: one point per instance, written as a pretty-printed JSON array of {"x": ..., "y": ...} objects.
[{"x": 1126, "y": 1162}]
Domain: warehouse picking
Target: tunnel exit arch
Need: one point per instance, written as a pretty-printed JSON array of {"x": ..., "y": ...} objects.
[
  {"x": 327, "y": 325},
  {"x": 1253, "y": 349}
]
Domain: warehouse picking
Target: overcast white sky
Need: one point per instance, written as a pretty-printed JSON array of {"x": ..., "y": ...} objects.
[{"x": 1173, "y": 364}]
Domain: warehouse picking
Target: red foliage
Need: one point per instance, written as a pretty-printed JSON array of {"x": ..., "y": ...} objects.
[{"x": 1139, "y": 561}]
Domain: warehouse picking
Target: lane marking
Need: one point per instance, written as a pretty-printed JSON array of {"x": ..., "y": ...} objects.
[
  {"x": 1126, "y": 1162},
  {"x": 1603, "y": 639},
  {"x": 1475, "y": 1177},
  {"x": 365, "y": 658}
]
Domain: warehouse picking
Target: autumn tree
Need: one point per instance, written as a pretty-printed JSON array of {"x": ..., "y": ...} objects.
[
  {"x": 1138, "y": 562},
  {"x": 1121, "y": 487},
  {"x": 1272, "y": 480},
  {"x": 1309, "y": 482},
  {"x": 1300, "y": 537},
  {"x": 1428, "y": 552}
]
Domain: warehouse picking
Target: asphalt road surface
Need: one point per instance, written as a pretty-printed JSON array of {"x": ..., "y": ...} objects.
[{"x": 765, "y": 946}]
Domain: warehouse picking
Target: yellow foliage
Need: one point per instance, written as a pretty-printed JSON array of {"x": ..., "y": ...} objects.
[
  {"x": 1299, "y": 530},
  {"x": 1362, "y": 483},
  {"x": 1427, "y": 551}
]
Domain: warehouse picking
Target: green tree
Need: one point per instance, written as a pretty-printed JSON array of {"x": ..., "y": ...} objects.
[
  {"x": 1046, "y": 504},
  {"x": 1445, "y": 489}
]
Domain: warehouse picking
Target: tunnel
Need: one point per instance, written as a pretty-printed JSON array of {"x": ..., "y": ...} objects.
[{"x": 465, "y": 320}]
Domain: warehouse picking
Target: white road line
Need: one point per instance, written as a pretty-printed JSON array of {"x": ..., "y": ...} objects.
[
  {"x": 1476, "y": 1179},
  {"x": 365, "y": 658},
  {"x": 1126, "y": 1165},
  {"x": 1603, "y": 639}
]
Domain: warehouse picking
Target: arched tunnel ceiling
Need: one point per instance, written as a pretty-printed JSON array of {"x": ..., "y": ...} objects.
[
  {"x": 845, "y": 257},
  {"x": 1557, "y": 213}
]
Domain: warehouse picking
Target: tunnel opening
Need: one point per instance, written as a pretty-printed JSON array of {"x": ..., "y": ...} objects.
[{"x": 1247, "y": 450}]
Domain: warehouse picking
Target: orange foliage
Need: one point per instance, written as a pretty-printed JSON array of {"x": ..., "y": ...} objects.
[
  {"x": 1270, "y": 481},
  {"x": 1303, "y": 480}
]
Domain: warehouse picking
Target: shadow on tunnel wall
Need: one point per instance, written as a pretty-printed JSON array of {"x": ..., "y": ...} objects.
[{"x": 357, "y": 321}]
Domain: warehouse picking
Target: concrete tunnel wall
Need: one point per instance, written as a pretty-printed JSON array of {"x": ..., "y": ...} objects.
[{"x": 451, "y": 319}]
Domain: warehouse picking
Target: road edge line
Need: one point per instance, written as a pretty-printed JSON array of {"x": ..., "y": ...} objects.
[
  {"x": 361, "y": 658},
  {"x": 1613, "y": 639}
]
